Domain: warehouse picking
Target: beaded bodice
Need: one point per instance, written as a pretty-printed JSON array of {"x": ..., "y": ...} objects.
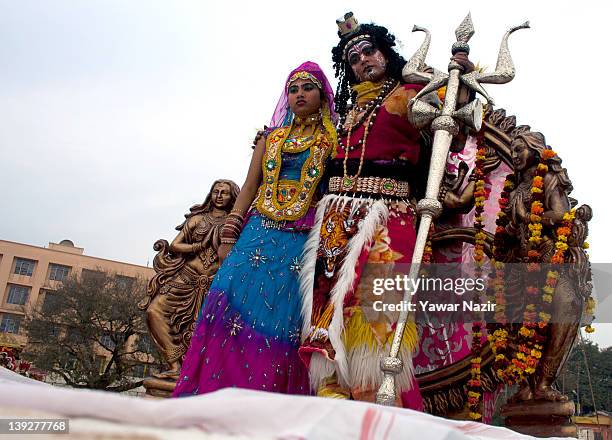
[
  {"x": 292, "y": 169},
  {"x": 291, "y": 165}
]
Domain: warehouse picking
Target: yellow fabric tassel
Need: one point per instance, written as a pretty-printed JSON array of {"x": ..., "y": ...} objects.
[
  {"x": 358, "y": 331},
  {"x": 330, "y": 130},
  {"x": 325, "y": 319},
  {"x": 331, "y": 389}
]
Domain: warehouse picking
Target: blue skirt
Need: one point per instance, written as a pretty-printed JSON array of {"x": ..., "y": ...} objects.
[{"x": 248, "y": 331}]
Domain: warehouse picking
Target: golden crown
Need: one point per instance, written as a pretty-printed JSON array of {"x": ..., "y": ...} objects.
[{"x": 348, "y": 24}]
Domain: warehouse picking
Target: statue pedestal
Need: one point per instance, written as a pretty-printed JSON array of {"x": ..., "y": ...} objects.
[
  {"x": 157, "y": 387},
  {"x": 540, "y": 418}
]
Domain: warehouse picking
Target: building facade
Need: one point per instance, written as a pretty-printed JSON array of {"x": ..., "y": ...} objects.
[
  {"x": 594, "y": 427},
  {"x": 27, "y": 272}
]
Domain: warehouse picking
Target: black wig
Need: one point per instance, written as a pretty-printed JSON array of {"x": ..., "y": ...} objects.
[{"x": 384, "y": 41}]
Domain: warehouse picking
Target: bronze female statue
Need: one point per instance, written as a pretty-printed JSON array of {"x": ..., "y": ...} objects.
[
  {"x": 184, "y": 270},
  {"x": 572, "y": 288},
  {"x": 522, "y": 152}
]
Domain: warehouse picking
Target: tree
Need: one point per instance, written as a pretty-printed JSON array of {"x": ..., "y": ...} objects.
[
  {"x": 574, "y": 380},
  {"x": 87, "y": 332}
]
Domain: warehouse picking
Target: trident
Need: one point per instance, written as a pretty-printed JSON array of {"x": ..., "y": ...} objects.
[{"x": 444, "y": 125}]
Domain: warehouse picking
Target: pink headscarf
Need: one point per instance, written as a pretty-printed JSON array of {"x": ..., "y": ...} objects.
[{"x": 282, "y": 115}]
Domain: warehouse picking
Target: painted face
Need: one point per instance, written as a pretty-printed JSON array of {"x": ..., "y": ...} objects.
[
  {"x": 522, "y": 156},
  {"x": 368, "y": 63},
  {"x": 221, "y": 195},
  {"x": 304, "y": 97}
]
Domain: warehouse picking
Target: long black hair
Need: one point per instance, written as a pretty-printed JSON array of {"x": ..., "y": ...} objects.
[{"x": 384, "y": 41}]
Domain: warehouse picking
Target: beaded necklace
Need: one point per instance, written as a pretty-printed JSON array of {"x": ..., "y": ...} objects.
[
  {"x": 366, "y": 109},
  {"x": 370, "y": 111}
]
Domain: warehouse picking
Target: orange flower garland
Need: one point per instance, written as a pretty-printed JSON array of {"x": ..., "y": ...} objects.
[
  {"x": 427, "y": 251},
  {"x": 498, "y": 335},
  {"x": 474, "y": 385},
  {"x": 529, "y": 338},
  {"x": 530, "y": 335}
]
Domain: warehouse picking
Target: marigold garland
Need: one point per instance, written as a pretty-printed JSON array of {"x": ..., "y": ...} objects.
[
  {"x": 530, "y": 336},
  {"x": 474, "y": 385},
  {"x": 428, "y": 251},
  {"x": 498, "y": 334}
]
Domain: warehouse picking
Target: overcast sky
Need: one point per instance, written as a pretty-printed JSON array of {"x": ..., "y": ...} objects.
[{"x": 118, "y": 115}]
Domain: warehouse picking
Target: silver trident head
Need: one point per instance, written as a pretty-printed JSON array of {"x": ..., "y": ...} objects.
[{"x": 414, "y": 71}]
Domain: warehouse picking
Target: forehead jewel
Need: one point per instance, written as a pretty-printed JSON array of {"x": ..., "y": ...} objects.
[{"x": 304, "y": 75}]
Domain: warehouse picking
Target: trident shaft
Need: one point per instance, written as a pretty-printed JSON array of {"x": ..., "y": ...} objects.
[{"x": 445, "y": 126}]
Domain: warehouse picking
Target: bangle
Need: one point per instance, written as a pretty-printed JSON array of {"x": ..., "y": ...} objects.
[
  {"x": 228, "y": 241},
  {"x": 196, "y": 247},
  {"x": 442, "y": 193},
  {"x": 235, "y": 214},
  {"x": 232, "y": 228}
]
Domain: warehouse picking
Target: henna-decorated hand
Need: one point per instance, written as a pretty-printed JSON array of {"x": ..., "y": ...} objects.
[
  {"x": 462, "y": 59},
  {"x": 464, "y": 95},
  {"x": 259, "y": 135}
]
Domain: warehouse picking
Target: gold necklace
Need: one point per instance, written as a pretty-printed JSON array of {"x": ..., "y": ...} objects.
[
  {"x": 298, "y": 144},
  {"x": 267, "y": 202},
  {"x": 307, "y": 121},
  {"x": 349, "y": 182}
]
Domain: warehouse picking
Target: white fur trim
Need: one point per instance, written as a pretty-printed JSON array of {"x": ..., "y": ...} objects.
[
  {"x": 320, "y": 368},
  {"x": 364, "y": 363},
  {"x": 309, "y": 261},
  {"x": 377, "y": 215}
]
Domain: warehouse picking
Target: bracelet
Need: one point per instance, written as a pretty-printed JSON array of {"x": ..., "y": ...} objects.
[
  {"x": 228, "y": 241},
  {"x": 235, "y": 215},
  {"x": 237, "y": 227},
  {"x": 442, "y": 193},
  {"x": 232, "y": 228},
  {"x": 196, "y": 247},
  {"x": 234, "y": 221}
]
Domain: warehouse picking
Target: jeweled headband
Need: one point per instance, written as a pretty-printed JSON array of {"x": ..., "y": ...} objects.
[
  {"x": 304, "y": 75},
  {"x": 352, "y": 42}
]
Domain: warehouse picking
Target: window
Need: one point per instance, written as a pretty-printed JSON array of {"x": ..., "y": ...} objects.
[
  {"x": 144, "y": 343},
  {"x": 57, "y": 272},
  {"x": 10, "y": 323},
  {"x": 18, "y": 294},
  {"x": 139, "y": 370},
  {"x": 124, "y": 283},
  {"x": 68, "y": 363},
  {"x": 101, "y": 364},
  {"x": 92, "y": 276},
  {"x": 55, "y": 331},
  {"x": 24, "y": 267},
  {"x": 50, "y": 302},
  {"x": 75, "y": 335},
  {"x": 108, "y": 342}
]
